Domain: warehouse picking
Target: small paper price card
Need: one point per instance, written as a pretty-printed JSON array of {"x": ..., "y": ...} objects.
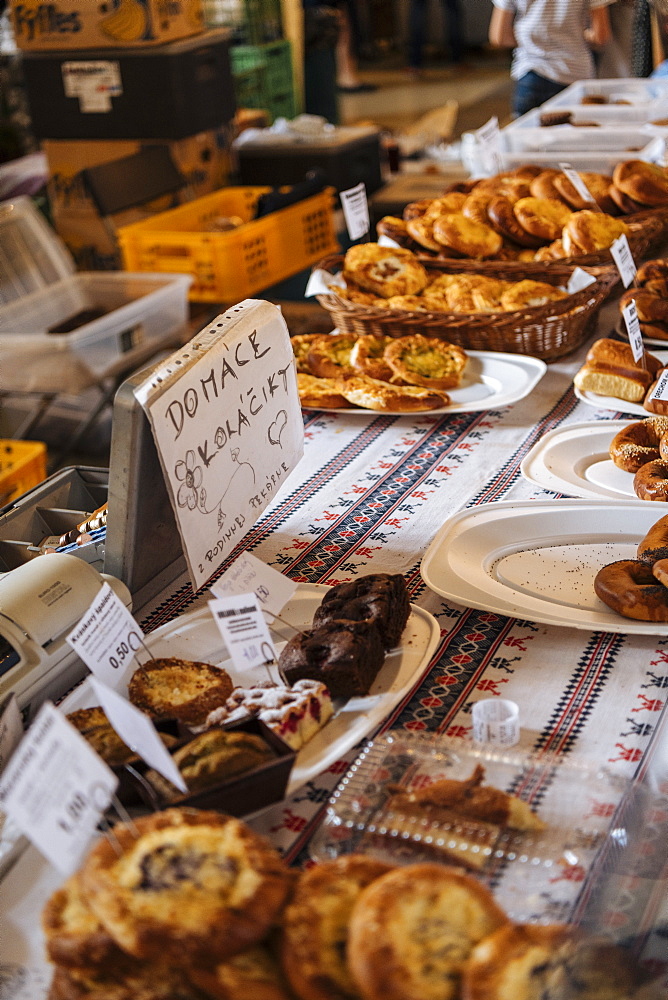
[
  {"x": 578, "y": 280},
  {"x": 623, "y": 258},
  {"x": 630, "y": 314},
  {"x": 580, "y": 186},
  {"x": 138, "y": 732},
  {"x": 356, "y": 211},
  {"x": 56, "y": 789},
  {"x": 107, "y": 638},
  {"x": 244, "y": 630},
  {"x": 660, "y": 390},
  {"x": 248, "y": 574}
]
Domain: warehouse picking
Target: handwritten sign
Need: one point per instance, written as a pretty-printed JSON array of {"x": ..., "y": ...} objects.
[
  {"x": 56, "y": 789},
  {"x": 228, "y": 428},
  {"x": 248, "y": 574}
]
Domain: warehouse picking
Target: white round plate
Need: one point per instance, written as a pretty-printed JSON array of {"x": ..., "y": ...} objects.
[
  {"x": 574, "y": 460},
  {"x": 195, "y": 636},
  {"x": 491, "y": 380},
  {"x": 538, "y": 560}
]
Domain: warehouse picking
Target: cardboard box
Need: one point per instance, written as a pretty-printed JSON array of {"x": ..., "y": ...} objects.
[
  {"x": 203, "y": 159},
  {"x": 89, "y": 24}
]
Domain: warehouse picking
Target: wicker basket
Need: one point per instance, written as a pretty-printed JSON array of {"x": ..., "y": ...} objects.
[{"x": 547, "y": 332}]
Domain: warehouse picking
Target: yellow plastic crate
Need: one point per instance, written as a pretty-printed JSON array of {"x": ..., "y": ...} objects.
[
  {"x": 22, "y": 466},
  {"x": 230, "y": 266}
]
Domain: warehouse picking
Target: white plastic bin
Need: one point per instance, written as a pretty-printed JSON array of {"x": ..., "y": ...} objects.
[{"x": 626, "y": 91}]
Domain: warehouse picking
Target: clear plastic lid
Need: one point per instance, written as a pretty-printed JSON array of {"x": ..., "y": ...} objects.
[{"x": 31, "y": 254}]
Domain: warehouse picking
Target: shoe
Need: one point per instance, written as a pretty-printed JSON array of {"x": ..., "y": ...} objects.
[{"x": 357, "y": 88}]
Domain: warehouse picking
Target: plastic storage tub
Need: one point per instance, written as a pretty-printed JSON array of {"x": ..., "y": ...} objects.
[
  {"x": 624, "y": 91},
  {"x": 61, "y": 331},
  {"x": 229, "y": 266}
]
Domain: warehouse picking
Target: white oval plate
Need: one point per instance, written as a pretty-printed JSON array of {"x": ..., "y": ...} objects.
[
  {"x": 537, "y": 560},
  {"x": 618, "y": 405},
  {"x": 491, "y": 380},
  {"x": 195, "y": 636},
  {"x": 575, "y": 460}
]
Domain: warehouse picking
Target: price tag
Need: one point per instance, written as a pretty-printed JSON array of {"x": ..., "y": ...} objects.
[
  {"x": 660, "y": 390},
  {"x": 623, "y": 258},
  {"x": 138, "y": 732},
  {"x": 578, "y": 280},
  {"x": 244, "y": 630},
  {"x": 356, "y": 211},
  {"x": 107, "y": 638},
  {"x": 488, "y": 140},
  {"x": 630, "y": 314},
  {"x": 56, "y": 789},
  {"x": 248, "y": 574},
  {"x": 11, "y": 729},
  {"x": 580, "y": 186}
]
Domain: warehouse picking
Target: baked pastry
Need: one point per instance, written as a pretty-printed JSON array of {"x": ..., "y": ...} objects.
[
  {"x": 542, "y": 186},
  {"x": 629, "y": 587},
  {"x": 373, "y": 394},
  {"x": 130, "y": 980},
  {"x": 502, "y": 218},
  {"x": 654, "y": 545},
  {"x": 378, "y": 597},
  {"x": 252, "y": 975},
  {"x": 412, "y": 930},
  {"x": 421, "y": 229},
  {"x": 301, "y": 344},
  {"x": 654, "y": 404},
  {"x": 450, "y": 202},
  {"x": 464, "y": 236},
  {"x": 626, "y": 205},
  {"x": 351, "y": 293},
  {"x": 210, "y": 758},
  {"x": 187, "y": 690},
  {"x": 367, "y": 358},
  {"x": 638, "y": 443},
  {"x": 475, "y": 206},
  {"x": 96, "y": 729},
  {"x": 642, "y": 181},
  {"x": 553, "y": 251},
  {"x": 548, "y": 118},
  {"x": 315, "y": 926},
  {"x": 652, "y": 270},
  {"x": 651, "y": 481},
  {"x": 589, "y": 231},
  {"x": 598, "y": 186},
  {"x": 426, "y": 361},
  {"x": 541, "y": 961},
  {"x": 542, "y": 217},
  {"x": 319, "y": 393},
  {"x": 294, "y": 713},
  {"x": 73, "y": 936},
  {"x": 385, "y": 271},
  {"x": 329, "y": 355},
  {"x": 185, "y": 885},
  {"x": 393, "y": 227},
  {"x": 345, "y": 656},
  {"x": 594, "y": 99},
  {"x": 528, "y": 294},
  {"x": 654, "y": 331},
  {"x": 610, "y": 370},
  {"x": 409, "y": 303},
  {"x": 649, "y": 306}
]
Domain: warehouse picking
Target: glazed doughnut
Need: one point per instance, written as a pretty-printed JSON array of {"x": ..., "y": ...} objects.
[
  {"x": 629, "y": 588},
  {"x": 654, "y": 545},
  {"x": 651, "y": 481},
  {"x": 639, "y": 443}
]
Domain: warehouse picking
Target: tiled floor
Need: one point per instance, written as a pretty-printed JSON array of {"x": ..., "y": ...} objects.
[{"x": 481, "y": 88}]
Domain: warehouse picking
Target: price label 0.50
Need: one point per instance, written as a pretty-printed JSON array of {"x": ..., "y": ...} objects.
[
  {"x": 56, "y": 789},
  {"x": 107, "y": 638}
]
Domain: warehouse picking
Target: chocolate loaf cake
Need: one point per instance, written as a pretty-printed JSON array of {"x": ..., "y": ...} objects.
[
  {"x": 380, "y": 597},
  {"x": 345, "y": 656}
]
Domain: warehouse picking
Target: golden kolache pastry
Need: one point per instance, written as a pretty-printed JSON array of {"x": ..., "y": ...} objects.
[
  {"x": 412, "y": 930},
  {"x": 171, "y": 688},
  {"x": 589, "y": 231},
  {"x": 426, "y": 361},
  {"x": 129, "y": 980},
  {"x": 542, "y": 217},
  {"x": 464, "y": 236},
  {"x": 372, "y": 394},
  {"x": 314, "y": 928},
  {"x": 185, "y": 885},
  {"x": 252, "y": 975},
  {"x": 545, "y": 961},
  {"x": 527, "y": 294},
  {"x": 367, "y": 356},
  {"x": 319, "y": 393},
  {"x": 329, "y": 355},
  {"x": 385, "y": 271},
  {"x": 73, "y": 936}
]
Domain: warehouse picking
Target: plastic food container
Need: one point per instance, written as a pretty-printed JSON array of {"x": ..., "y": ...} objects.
[
  {"x": 623, "y": 92},
  {"x": 61, "y": 331}
]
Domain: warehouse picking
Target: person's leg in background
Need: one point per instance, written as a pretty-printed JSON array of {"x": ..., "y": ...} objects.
[
  {"x": 532, "y": 90},
  {"x": 455, "y": 30},
  {"x": 347, "y": 78},
  {"x": 417, "y": 26}
]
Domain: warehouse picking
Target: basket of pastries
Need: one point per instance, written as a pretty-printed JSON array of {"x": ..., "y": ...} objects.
[
  {"x": 530, "y": 216},
  {"x": 650, "y": 294},
  {"x": 388, "y": 291}
]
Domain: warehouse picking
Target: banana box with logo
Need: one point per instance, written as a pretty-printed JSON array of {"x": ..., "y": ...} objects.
[{"x": 87, "y": 24}]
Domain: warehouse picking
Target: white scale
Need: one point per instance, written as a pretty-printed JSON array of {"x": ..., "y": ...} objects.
[{"x": 40, "y": 603}]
